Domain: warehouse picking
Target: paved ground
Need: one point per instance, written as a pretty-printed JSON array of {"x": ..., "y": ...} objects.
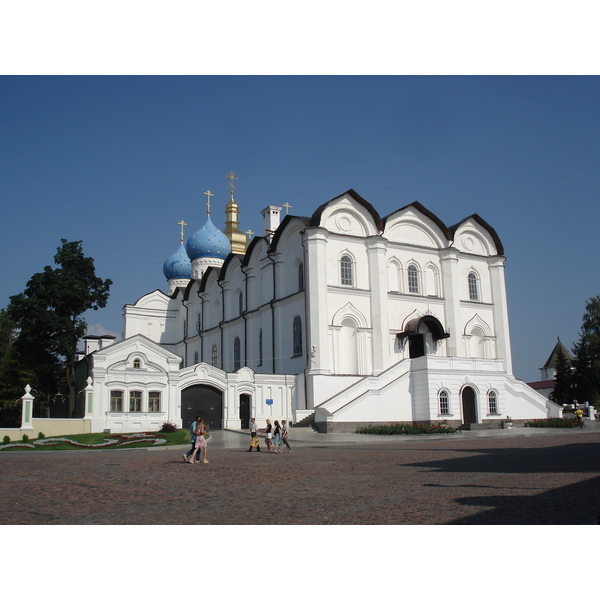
[{"x": 484, "y": 478}]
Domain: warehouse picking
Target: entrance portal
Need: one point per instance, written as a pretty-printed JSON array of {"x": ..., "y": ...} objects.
[
  {"x": 202, "y": 401},
  {"x": 469, "y": 412}
]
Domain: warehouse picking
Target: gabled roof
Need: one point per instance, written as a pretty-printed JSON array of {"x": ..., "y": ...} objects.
[
  {"x": 315, "y": 220},
  {"x": 486, "y": 226},
  {"x": 419, "y": 207},
  {"x": 551, "y": 362},
  {"x": 279, "y": 231}
]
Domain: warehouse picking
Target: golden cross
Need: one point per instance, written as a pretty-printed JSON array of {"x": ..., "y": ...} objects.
[
  {"x": 249, "y": 232},
  {"x": 287, "y": 206},
  {"x": 209, "y": 194},
  {"x": 182, "y": 223},
  {"x": 231, "y": 176}
]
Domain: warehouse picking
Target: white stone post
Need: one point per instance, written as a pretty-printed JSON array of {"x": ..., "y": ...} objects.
[
  {"x": 89, "y": 400},
  {"x": 27, "y": 410}
]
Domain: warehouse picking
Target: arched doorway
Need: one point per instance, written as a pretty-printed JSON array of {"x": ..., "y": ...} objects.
[
  {"x": 469, "y": 412},
  {"x": 202, "y": 401},
  {"x": 245, "y": 400}
]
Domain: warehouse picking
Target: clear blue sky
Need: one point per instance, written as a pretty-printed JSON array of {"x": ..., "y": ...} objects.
[{"x": 118, "y": 161}]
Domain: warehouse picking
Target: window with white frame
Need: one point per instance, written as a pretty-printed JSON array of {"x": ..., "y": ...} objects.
[
  {"x": 413, "y": 279},
  {"x": 473, "y": 287},
  {"x": 137, "y": 363},
  {"x": 346, "y": 270},
  {"x": 135, "y": 401},
  {"x": 444, "y": 402},
  {"x": 154, "y": 402},
  {"x": 116, "y": 401},
  {"x": 492, "y": 402}
]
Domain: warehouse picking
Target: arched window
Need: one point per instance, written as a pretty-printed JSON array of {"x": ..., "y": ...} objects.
[
  {"x": 137, "y": 363},
  {"x": 260, "y": 348},
  {"x": 301, "y": 277},
  {"x": 240, "y": 304},
  {"x": 215, "y": 356},
  {"x": 492, "y": 402},
  {"x": 413, "y": 279},
  {"x": 236, "y": 354},
  {"x": 346, "y": 270},
  {"x": 297, "y": 335},
  {"x": 444, "y": 402},
  {"x": 473, "y": 287}
]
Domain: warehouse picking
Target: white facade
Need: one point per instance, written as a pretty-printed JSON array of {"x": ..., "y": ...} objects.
[{"x": 343, "y": 317}]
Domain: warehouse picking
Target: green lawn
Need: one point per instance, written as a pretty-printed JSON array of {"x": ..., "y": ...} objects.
[{"x": 98, "y": 440}]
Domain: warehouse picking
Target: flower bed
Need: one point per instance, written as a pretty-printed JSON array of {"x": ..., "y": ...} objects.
[
  {"x": 553, "y": 422},
  {"x": 112, "y": 440},
  {"x": 406, "y": 429}
]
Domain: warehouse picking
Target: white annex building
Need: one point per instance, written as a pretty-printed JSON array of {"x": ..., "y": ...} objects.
[{"x": 343, "y": 318}]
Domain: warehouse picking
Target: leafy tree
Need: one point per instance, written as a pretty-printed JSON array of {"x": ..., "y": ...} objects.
[
  {"x": 48, "y": 315},
  {"x": 586, "y": 353},
  {"x": 563, "y": 390}
]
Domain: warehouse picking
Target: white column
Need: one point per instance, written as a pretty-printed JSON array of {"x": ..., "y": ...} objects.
[
  {"x": 376, "y": 251},
  {"x": 501, "y": 327},
  {"x": 27, "y": 410},
  {"x": 450, "y": 291},
  {"x": 89, "y": 400},
  {"x": 316, "y": 291}
]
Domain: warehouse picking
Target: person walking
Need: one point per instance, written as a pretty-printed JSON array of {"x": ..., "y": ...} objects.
[
  {"x": 579, "y": 415},
  {"x": 277, "y": 437},
  {"x": 200, "y": 442},
  {"x": 254, "y": 442},
  {"x": 193, "y": 426},
  {"x": 284, "y": 435},
  {"x": 268, "y": 435}
]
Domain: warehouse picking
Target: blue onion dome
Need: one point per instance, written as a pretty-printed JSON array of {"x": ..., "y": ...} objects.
[
  {"x": 208, "y": 241},
  {"x": 178, "y": 265}
]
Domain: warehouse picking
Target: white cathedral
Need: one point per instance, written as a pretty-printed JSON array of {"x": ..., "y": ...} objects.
[{"x": 339, "y": 319}]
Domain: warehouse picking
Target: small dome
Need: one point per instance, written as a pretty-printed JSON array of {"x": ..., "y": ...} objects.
[
  {"x": 178, "y": 265},
  {"x": 208, "y": 241}
]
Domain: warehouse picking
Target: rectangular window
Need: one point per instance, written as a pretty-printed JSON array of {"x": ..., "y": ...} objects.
[
  {"x": 215, "y": 356},
  {"x": 154, "y": 402},
  {"x": 116, "y": 401},
  {"x": 135, "y": 401}
]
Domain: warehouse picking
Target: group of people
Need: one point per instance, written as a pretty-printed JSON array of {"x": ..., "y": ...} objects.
[
  {"x": 274, "y": 438},
  {"x": 198, "y": 441}
]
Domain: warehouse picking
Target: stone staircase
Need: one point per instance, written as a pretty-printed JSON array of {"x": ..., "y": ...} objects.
[
  {"x": 481, "y": 426},
  {"x": 308, "y": 421}
]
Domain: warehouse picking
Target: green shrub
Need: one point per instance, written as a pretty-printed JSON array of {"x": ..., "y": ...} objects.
[
  {"x": 552, "y": 422},
  {"x": 406, "y": 429},
  {"x": 6, "y": 439},
  {"x": 25, "y": 438},
  {"x": 41, "y": 436}
]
